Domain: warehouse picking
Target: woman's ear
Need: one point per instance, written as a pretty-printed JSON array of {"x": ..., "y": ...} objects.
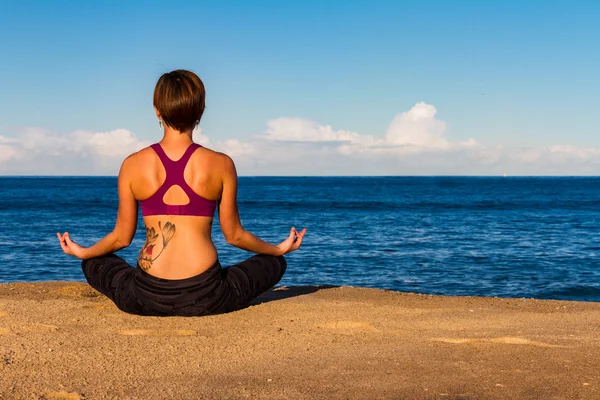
[{"x": 157, "y": 113}]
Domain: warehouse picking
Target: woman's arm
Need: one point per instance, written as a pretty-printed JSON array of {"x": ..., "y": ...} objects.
[
  {"x": 125, "y": 227},
  {"x": 232, "y": 228}
]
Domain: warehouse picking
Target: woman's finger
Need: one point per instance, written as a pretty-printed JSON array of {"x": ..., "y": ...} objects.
[
  {"x": 297, "y": 239},
  {"x": 68, "y": 240},
  {"x": 298, "y": 242},
  {"x": 301, "y": 233},
  {"x": 63, "y": 245}
]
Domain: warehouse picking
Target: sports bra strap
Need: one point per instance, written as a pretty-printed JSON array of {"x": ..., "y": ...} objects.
[
  {"x": 161, "y": 153},
  {"x": 188, "y": 153}
]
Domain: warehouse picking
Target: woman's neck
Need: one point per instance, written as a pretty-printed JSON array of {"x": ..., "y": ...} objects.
[{"x": 174, "y": 137}]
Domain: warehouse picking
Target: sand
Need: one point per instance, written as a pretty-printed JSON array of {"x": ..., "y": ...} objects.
[{"x": 61, "y": 340}]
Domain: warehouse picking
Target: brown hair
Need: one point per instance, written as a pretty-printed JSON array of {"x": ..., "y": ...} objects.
[{"x": 179, "y": 98}]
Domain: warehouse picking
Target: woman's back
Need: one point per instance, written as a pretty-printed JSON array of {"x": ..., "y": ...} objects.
[{"x": 177, "y": 246}]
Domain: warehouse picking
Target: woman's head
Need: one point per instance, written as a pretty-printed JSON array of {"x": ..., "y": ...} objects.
[{"x": 179, "y": 99}]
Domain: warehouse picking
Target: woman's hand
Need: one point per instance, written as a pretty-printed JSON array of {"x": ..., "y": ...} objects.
[
  {"x": 69, "y": 246},
  {"x": 293, "y": 241}
]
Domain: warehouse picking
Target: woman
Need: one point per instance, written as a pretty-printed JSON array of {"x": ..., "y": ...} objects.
[{"x": 179, "y": 185}]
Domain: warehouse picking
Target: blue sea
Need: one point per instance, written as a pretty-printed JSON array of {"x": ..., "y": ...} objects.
[{"x": 484, "y": 236}]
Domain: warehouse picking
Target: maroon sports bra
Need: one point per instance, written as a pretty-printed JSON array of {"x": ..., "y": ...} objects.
[{"x": 198, "y": 206}]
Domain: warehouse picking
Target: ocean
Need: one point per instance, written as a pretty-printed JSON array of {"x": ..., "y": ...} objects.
[{"x": 533, "y": 237}]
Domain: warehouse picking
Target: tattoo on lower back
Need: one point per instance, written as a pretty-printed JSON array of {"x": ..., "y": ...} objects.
[{"x": 148, "y": 253}]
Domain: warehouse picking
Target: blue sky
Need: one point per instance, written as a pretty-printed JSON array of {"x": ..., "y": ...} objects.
[{"x": 518, "y": 74}]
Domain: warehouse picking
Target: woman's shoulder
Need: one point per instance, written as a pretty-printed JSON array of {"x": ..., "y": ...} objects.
[
  {"x": 133, "y": 161},
  {"x": 216, "y": 157},
  {"x": 136, "y": 157},
  {"x": 216, "y": 163}
]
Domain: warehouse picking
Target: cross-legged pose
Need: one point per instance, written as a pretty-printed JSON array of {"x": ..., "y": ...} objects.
[{"x": 179, "y": 185}]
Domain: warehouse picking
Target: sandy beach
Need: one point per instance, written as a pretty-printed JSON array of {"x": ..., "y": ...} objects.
[{"x": 61, "y": 340}]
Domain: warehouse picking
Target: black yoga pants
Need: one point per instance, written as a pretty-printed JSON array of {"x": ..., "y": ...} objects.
[{"x": 215, "y": 291}]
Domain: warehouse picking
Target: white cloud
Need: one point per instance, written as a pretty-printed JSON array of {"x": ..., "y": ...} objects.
[
  {"x": 415, "y": 143},
  {"x": 7, "y": 153},
  {"x": 418, "y": 126},
  {"x": 41, "y": 152},
  {"x": 302, "y": 130}
]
